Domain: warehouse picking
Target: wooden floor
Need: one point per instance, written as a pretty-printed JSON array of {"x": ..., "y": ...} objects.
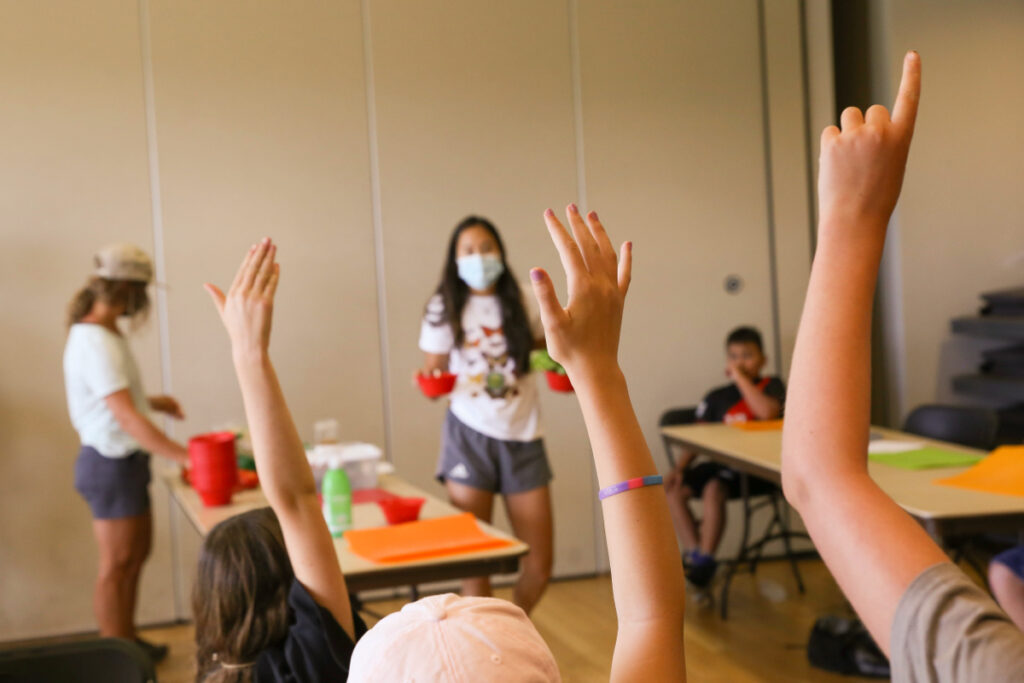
[{"x": 763, "y": 640}]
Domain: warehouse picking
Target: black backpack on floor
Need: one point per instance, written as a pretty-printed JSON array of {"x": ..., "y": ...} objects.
[{"x": 844, "y": 646}]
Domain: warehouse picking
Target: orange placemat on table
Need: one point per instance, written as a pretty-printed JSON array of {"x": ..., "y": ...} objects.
[
  {"x": 1002, "y": 471},
  {"x": 424, "y": 539},
  {"x": 758, "y": 425}
]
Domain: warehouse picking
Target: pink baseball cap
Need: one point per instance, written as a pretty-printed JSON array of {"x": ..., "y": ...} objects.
[{"x": 450, "y": 639}]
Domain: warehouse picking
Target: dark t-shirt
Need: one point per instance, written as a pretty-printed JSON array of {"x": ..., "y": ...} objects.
[
  {"x": 721, "y": 400},
  {"x": 316, "y": 647}
]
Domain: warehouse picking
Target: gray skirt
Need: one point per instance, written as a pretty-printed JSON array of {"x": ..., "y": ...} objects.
[{"x": 113, "y": 487}]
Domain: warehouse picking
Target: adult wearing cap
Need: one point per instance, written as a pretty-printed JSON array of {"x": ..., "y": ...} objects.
[{"x": 111, "y": 413}]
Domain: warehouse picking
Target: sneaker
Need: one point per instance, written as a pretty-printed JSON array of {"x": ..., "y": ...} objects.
[
  {"x": 155, "y": 652},
  {"x": 702, "y": 570}
]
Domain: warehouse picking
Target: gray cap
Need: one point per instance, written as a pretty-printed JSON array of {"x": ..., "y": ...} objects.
[{"x": 123, "y": 262}]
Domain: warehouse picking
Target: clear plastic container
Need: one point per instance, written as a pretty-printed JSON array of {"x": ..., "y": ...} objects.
[{"x": 360, "y": 461}]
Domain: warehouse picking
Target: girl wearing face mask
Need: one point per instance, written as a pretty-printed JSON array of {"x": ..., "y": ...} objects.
[
  {"x": 477, "y": 327},
  {"x": 112, "y": 416}
]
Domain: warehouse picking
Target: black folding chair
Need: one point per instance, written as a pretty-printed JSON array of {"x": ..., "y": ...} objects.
[
  {"x": 96, "y": 660},
  {"x": 778, "y": 528},
  {"x": 965, "y": 425}
]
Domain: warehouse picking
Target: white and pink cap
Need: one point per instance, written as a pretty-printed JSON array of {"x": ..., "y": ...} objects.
[{"x": 450, "y": 639}]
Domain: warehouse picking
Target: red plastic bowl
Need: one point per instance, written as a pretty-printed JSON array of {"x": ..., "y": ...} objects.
[
  {"x": 432, "y": 387},
  {"x": 399, "y": 510},
  {"x": 558, "y": 382}
]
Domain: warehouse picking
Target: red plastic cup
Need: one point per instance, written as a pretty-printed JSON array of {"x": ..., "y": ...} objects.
[
  {"x": 432, "y": 387},
  {"x": 558, "y": 382},
  {"x": 213, "y": 467},
  {"x": 399, "y": 510}
]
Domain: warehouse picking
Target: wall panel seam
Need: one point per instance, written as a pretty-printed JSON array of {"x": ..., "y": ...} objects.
[
  {"x": 378, "y": 223},
  {"x": 163, "y": 318}
]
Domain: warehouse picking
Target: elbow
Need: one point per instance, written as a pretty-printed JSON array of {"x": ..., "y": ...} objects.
[{"x": 795, "y": 484}]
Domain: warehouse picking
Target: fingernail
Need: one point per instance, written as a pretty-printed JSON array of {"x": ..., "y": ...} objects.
[
  {"x": 593, "y": 216},
  {"x": 629, "y": 245},
  {"x": 573, "y": 209},
  {"x": 549, "y": 213},
  {"x": 535, "y": 274}
]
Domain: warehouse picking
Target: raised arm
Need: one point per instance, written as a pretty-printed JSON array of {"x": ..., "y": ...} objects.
[
  {"x": 872, "y": 547},
  {"x": 647, "y": 577},
  {"x": 287, "y": 481}
]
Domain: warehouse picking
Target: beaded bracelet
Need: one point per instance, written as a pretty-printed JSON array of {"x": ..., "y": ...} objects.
[{"x": 629, "y": 485}]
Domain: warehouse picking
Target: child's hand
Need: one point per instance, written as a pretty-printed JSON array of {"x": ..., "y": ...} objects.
[
  {"x": 247, "y": 309},
  {"x": 584, "y": 336},
  {"x": 862, "y": 167},
  {"x": 733, "y": 371},
  {"x": 168, "y": 406}
]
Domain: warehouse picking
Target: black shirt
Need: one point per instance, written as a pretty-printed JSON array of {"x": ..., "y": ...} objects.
[
  {"x": 721, "y": 400},
  {"x": 316, "y": 647}
]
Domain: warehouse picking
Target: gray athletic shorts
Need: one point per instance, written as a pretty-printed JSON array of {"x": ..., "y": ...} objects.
[
  {"x": 474, "y": 459},
  {"x": 113, "y": 487}
]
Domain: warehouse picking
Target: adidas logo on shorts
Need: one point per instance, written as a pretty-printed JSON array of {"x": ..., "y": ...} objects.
[{"x": 460, "y": 471}]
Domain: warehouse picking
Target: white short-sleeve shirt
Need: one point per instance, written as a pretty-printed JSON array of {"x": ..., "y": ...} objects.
[
  {"x": 98, "y": 363},
  {"x": 488, "y": 396}
]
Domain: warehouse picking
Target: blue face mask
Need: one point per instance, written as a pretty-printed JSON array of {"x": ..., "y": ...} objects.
[{"x": 480, "y": 271}]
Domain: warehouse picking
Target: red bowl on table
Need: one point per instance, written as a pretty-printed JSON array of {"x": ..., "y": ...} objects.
[
  {"x": 558, "y": 381},
  {"x": 433, "y": 386},
  {"x": 399, "y": 510},
  {"x": 213, "y": 467}
]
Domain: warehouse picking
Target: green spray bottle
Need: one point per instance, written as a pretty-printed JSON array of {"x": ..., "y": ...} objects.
[{"x": 337, "y": 496}]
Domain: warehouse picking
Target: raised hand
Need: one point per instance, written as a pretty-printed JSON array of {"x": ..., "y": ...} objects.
[
  {"x": 247, "y": 309},
  {"x": 584, "y": 335},
  {"x": 862, "y": 165}
]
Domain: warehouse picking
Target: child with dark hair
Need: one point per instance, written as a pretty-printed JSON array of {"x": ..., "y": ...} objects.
[
  {"x": 749, "y": 396},
  {"x": 477, "y": 326}
]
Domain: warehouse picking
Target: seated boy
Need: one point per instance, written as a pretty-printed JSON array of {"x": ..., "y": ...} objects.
[{"x": 748, "y": 397}]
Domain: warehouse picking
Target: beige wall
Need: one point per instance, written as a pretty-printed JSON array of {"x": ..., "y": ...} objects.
[
  {"x": 357, "y": 134},
  {"x": 73, "y": 176},
  {"x": 959, "y": 227}
]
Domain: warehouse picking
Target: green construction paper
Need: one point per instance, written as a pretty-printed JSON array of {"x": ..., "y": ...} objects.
[{"x": 925, "y": 458}]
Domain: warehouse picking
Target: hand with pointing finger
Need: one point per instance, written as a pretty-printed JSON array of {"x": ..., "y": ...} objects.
[
  {"x": 247, "y": 308},
  {"x": 862, "y": 164},
  {"x": 584, "y": 334}
]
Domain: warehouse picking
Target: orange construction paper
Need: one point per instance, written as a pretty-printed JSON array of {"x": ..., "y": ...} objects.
[
  {"x": 1002, "y": 471},
  {"x": 423, "y": 539},
  {"x": 758, "y": 425}
]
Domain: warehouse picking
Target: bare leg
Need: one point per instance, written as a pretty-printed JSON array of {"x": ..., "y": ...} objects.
[
  {"x": 480, "y": 503},
  {"x": 1008, "y": 590},
  {"x": 141, "y": 546},
  {"x": 678, "y": 495},
  {"x": 117, "y": 581},
  {"x": 713, "y": 521},
  {"x": 530, "y": 514}
]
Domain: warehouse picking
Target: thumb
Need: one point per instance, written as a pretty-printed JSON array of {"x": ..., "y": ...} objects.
[
  {"x": 216, "y": 295},
  {"x": 551, "y": 312}
]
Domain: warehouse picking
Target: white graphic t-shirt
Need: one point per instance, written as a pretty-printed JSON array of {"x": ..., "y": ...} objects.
[{"x": 488, "y": 397}]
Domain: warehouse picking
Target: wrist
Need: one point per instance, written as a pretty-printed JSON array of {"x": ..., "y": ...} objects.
[
  {"x": 249, "y": 357},
  {"x": 594, "y": 373}
]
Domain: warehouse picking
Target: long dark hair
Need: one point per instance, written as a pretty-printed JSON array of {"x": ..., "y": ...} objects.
[
  {"x": 454, "y": 293},
  {"x": 240, "y": 597}
]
